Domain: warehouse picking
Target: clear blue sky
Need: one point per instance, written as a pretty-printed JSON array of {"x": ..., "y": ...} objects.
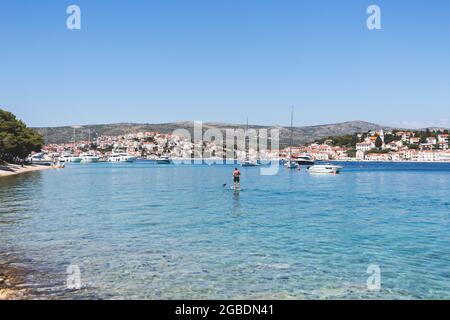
[{"x": 223, "y": 60}]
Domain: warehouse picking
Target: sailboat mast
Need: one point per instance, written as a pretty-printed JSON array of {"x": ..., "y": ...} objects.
[
  {"x": 73, "y": 138},
  {"x": 246, "y": 145},
  {"x": 292, "y": 139}
]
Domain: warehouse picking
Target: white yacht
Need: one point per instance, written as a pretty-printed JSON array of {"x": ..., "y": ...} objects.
[
  {"x": 70, "y": 158},
  {"x": 40, "y": 158},
  {"x": 324, "y": 168},
  {"x": 89, "y": 158},
  {"x": 305, "y": 159},
  {"x": 121, "y": 156}
]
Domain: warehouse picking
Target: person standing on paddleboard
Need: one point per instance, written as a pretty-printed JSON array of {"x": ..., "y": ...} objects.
[{"x": 236, "y": 178}]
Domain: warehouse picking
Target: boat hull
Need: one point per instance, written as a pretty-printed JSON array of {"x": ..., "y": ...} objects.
[
  {"x": 249, "y": 164},
  {"x": 74, "y": 160},
  {"x": 90, "y": 160},
  {"x": 325, "y": 169},
  {"x": 305, "y": 162},
  {"x": 163, "y": 161},
  {"x": 42, "y": 162},
  {"x": 122, "y": 159}
]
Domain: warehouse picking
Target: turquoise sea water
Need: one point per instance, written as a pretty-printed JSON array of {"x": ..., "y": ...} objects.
[{"x": 174, "y": 232}]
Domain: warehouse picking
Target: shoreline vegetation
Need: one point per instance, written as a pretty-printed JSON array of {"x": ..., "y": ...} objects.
[{"x": 17, "y": 142}]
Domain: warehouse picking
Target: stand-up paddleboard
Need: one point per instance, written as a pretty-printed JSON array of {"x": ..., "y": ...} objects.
[{"x": 236, "y": 188}]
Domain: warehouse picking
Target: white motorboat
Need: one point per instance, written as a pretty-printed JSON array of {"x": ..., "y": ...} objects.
[
  {"x": 249, "y": 163},
  {"x": 121, "y": 156},
  {"x": 40, "y": 158},
  {"x": 305, "y": 160},
  {"x": 89, "y": 158},
  {"x": 324, "y": 168},
  {"x": 163, "y": 160}
]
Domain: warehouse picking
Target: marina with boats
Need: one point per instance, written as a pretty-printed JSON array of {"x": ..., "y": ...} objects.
[
  {"x": 316, "y": 157},
  {"x": 123, "y": 157}
]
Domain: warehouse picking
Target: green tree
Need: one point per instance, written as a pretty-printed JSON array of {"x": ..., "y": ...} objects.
[
  {"x": 413, "y": 146},
  {"x": 388, "y": 138},
  {"x": 17, "y": 141},
  {"x": 349, "y": 140},
  {"x": 351, "y": 153},
  {"x": 378, "y": 142},
  {"x": 378, "y": 151}
]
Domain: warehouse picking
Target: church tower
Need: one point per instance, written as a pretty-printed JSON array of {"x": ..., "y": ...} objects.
[{"x": 382, "y": 136}]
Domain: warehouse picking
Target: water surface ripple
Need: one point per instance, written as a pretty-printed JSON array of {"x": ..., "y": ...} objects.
[{"x": 173, "y": 232}]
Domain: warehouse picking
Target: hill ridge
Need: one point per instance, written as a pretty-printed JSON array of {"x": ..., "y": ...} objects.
[{"x": 301, "y": 134}]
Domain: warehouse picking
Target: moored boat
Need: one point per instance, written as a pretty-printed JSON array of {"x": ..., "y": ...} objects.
[
  {"x": 70, "y": 158},
  {"x": 304, "y": 160},
  {"x": 164, "y": 160},
  {"x": 89, "y": 158},
  {"x": 291, "y": 163},
  {"x": 325, "y": 168},
  {"x": 40, "y": 158},
  {"x": 121, "y": 156},
  {"x": 249, "y": 163}
]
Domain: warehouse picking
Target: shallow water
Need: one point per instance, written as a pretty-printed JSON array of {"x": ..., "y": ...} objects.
[{"x": 174, "y": 232}]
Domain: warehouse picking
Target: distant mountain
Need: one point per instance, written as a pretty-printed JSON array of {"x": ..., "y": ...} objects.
[{"x": 301, "y": 135}]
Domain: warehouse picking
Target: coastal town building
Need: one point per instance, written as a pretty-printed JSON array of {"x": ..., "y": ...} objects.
[
  {"x": 414, "y": 140},
  {"x": 365, "y": 146},
  {"x": 405, "y": 135},
  {"x": 442, "y": 138},
  {"x": 401, "y": 146},
  {"x": 431, "y": 140},
  {"x": 426, "y": 146},
  {"x": 360, "y": 155}
]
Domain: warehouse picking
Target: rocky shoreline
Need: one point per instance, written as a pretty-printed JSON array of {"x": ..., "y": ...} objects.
[
  {"x": 21, "y": 279},
  {"x": 12, "y": 280}
]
